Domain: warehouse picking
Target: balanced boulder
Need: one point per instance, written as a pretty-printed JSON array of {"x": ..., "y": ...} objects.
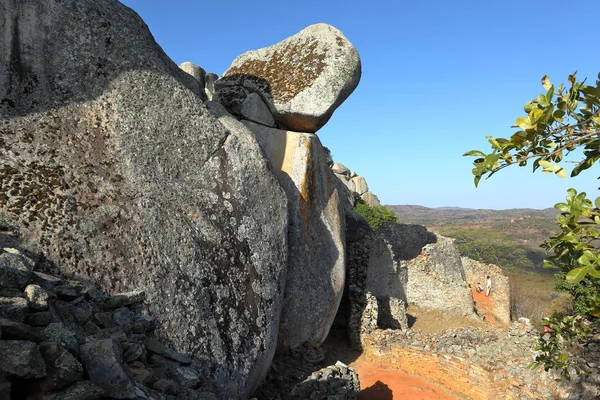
[
  {"x": 112, "y": 167},
  {"x": 303, "y": 78}
]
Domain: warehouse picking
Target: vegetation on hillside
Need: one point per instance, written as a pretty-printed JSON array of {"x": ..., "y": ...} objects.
[
  {"x": 374, "y": 215},
  {"x": 558, "y": 122}
]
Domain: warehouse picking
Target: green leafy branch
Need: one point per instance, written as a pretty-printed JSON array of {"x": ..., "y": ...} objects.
[{"x": 557, "y": 122}]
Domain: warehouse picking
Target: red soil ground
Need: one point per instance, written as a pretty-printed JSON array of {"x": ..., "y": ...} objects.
[{"x": 379, "y": 383}]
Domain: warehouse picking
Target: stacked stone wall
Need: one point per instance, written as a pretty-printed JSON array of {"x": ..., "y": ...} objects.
[
  {"x": 436, "y": 279},
  {"x": 498, "y": 302}
]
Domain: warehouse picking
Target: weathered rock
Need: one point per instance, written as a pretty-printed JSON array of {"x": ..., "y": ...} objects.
[
  {"x": 42, "y": 318},
  {"x": 185, "y": 376},
  {"x": 12, "y": 330},
  {"x": 315, "y": 238},
  {"x": 162, "y": 385},
  {"x": 332, "y": 382},
  {"x": 58, "y": 332},
  {"x": 63, "y": 369},
  {"x": 210, "y": 80},
  {"x": 15, "y": 270},
  {"x": 360, "y": 185},
  {"x": 123, "y": 318},
  {"x": 37, "y": 297},
  {"x": 102, "y": 360},
  {"x": 254, "y": 109},
  {"x": 5, "y": 388},
  {"x": 125, "y": 299},
  {"x": 305, "y": 77},
  {"x": 82, "y": 312},
  {"x": 143, "y": 324},
  {"x": 369, "y": 198},
  {"x": 138, "y": 185},
  {"x": 133, "y": 351},
  {"x": 84, "y": 390},
  {"x": 14, "y": 308},
  {"x": 339, "y": 168},
  {"x": 157, "y": 347},
  {"x": 21, "y": 359},
  {"x": 194, "y": 70}
]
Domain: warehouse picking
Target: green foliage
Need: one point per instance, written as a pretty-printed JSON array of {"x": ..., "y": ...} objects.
[
  {"x": 558, "y": 122},
  {"x": 575, "y": 250},
  {"x": 375, "y": 216},
  {"x": 561, "y": 338},
  {"x": 586, "y": 294},
  {"x": 490, "y": 247}
]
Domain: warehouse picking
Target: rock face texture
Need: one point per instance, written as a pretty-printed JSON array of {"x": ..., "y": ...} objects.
[
  {"x": 436, "y": 279},
  {"x": 316, "y": 241},
  {"x": 302, "y": 79},
  {"x": 498, "y": 302},
  {"x": 114, "y": 169},
  {"x": 91, "y": 346}
]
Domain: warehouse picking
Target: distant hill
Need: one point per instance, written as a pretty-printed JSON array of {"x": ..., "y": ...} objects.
[
  {"x": 457, "y": 216},
  {"x": 508, "y": 238}
]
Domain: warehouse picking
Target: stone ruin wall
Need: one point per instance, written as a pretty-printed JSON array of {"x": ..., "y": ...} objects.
[
  {"x": 436, "y": 279},
  {"x": 499, "y": 299}
]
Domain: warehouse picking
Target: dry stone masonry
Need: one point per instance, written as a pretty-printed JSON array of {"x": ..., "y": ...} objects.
[
  {"x": 497, "y": 305},
  {"x": 61, "y": 339},
  {"x": 436, "y": 279}
]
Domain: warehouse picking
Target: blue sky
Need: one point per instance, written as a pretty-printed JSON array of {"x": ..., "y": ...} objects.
[{"x": 437, "y": 77}]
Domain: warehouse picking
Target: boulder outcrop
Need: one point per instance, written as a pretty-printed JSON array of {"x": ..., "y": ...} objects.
[
  {"x": 114, "y": 169},
  {"x": 302, "y": 79},
  {"x": 316, "y": 240},
  {"x": 356, "y": 184}
]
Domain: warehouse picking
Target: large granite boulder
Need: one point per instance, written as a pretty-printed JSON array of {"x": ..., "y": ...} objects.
[
  {"x": 316, "y": 271},
  {"x": 303, "y": 78},
  {"x": 115, "y": 170}
]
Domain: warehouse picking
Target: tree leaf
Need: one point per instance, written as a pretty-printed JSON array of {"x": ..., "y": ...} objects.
[
  {"x": 523, "y": 123},
  {"x": 560, "y": 172},
  {"x": 576, "y": 275},
  {"x": 546, "y": 82},
  {"x": 474, "y": 153}
]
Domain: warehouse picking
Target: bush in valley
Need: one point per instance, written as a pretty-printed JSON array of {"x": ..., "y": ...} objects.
[
  {"x": 375, "y": 215},
  {"x": 490, "y": 247}
]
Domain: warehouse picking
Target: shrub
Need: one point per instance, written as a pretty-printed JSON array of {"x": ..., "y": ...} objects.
[{"x": 376, "y": 215}]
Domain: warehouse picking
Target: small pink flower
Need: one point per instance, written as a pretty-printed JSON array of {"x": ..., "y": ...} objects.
[{"x": 547, "y": 329}]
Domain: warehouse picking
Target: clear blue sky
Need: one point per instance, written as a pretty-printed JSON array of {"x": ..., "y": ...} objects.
[{"x": 438, "y": 76}]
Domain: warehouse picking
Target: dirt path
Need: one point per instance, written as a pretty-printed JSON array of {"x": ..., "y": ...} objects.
[{"x": 379, "y": 383}]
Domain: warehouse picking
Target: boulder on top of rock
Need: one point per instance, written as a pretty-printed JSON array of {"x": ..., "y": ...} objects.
[
  {"x": 194, "y": 70},
  {"x": 316, "y": 242},
  {"x": 128, "y": 181},
  {"x": 304, "y": 77},
  {"x": 341, "y": 169}
]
